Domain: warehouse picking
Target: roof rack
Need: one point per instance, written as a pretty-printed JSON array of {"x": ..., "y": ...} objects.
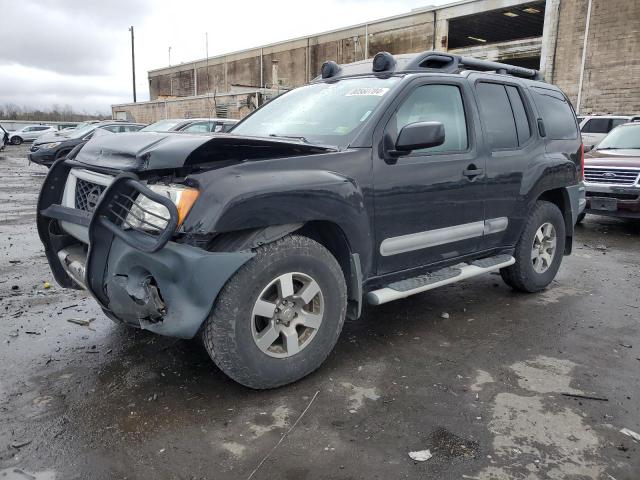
[{"x": 439, "y": 62}]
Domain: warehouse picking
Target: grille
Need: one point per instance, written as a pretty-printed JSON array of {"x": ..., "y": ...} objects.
[
  {"x": 87, "y": 195},
  {"x": 618, "y": 176}
]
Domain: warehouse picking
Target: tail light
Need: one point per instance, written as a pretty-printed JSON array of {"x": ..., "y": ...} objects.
[{"x": 582, "y": 162}]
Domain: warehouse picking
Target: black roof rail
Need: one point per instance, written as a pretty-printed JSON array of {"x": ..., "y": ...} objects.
[
  {"x": 440, "y": 62},
  {"x": 470, "y": 63}
]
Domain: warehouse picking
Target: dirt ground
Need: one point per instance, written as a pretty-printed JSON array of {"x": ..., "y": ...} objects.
[{"x": 476, "y": 373}]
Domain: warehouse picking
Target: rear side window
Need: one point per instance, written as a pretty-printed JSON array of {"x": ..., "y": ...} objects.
[
  {"x": 497, "y": 116},
  {"x": 436, "y": 103},
  {"x": 198, "y": 127},
  {"x": 618, "y": 121},
  {"x": 557, "y": 114},
  {"x": 597, "y": 125}
]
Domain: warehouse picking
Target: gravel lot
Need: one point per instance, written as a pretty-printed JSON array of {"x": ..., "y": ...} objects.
[{"x": 474, "y": 372}]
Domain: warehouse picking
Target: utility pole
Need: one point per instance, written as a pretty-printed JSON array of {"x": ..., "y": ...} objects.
[
  {"x": 133, "y": 64},
  {"x": 206, "y": 50}
]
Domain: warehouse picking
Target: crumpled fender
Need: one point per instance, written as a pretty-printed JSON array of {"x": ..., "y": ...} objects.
[{"x": 248, "y": 198}]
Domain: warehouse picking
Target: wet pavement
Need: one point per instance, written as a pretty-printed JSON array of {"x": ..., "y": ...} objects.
[{"x": 490, "y": 381}]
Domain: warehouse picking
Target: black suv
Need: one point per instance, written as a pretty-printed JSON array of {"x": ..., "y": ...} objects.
[
  {"x": 379, "y": 180},
  {"x": 49, "y": 149}
]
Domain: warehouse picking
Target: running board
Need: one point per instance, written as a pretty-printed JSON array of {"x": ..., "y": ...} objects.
[{"x": 445, "y": 276}]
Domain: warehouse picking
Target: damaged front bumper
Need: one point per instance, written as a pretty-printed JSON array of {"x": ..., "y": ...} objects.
[{"x": 140, "y": 279}]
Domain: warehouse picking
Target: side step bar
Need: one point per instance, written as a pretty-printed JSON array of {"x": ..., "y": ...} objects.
[{"x": 445, "y": 276}]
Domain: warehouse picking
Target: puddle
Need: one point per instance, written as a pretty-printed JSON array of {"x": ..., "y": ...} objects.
[
  {"x": 554, "y": 294},
  {"x": 358, "y": 395},
  {"x": 236, "y": 449},
  {"x": 482, "y": 378},
  {"x": 279, "y": 417},
  {"x": 18, "y": 474},
  {"x": 535, "y": 434}
]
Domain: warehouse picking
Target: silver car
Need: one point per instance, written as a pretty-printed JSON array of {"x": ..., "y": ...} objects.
[
  {"x": 595, "y": 127},
  {"x": 29, "y": 133}
]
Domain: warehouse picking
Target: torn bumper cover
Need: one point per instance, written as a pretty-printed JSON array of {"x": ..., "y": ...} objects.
[{"x": 137, "y": 277}]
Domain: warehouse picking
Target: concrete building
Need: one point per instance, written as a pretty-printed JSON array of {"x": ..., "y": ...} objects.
[{"x": 589, "y": 48}]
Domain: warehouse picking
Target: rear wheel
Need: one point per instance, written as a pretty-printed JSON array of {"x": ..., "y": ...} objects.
[
  {"x": 16, "y": 140},
  {"x": 278, "y": 318},
  {"x": 539, "y": 250}
]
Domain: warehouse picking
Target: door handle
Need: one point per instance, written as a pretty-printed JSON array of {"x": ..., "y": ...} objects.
[{"x": 471, "y": 172}]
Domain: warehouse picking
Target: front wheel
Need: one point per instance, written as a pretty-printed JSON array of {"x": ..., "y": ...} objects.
[
  {"x": 16, "y": 140},
  {"x": 278, "y": 318},
  {"x": 539, "y": 250}
]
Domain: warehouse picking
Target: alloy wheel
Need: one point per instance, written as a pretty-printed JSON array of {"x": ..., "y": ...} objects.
[
  {"x": 287, "y": 315},
  {"x": 544, "y": 247}
]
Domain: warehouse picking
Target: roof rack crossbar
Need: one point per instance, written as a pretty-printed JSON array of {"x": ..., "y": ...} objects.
[{"x": 470, "y": 63}]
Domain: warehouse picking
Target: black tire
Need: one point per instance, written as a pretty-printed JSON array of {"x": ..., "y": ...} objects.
[
  {"x": 16, "y": 140},
  {"x": 521, "y": 275},
  {"x": 228, "y": 332},
  {"x": 580, "y": 218}
]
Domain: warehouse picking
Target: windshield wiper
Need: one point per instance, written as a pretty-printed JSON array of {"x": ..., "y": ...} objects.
[{"x": 296, "y": 137}]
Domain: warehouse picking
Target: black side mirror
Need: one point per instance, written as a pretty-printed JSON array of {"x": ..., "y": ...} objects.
[
  {"x": 419, "y": 135},
  {"x": 588, "y": 148}
]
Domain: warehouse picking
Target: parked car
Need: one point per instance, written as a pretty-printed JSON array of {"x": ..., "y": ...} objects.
[
  {"x": 193, "y": 125},
  {"x": 4, "y": 137},
  {"x": 166, "y": 125},
  {"x": 29, "y": 133},
  {"x": 612, "y": 174},
  {"x": 379, "y": 180},
  {"x": 595, "y": 127},
  {"x": 212, "y": 125},
  {"x": 50, "y": 149},
  {"x": 53, "y": 136}
]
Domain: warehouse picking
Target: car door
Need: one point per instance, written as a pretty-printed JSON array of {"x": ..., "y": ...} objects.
[
  {"x": 507, "y": 120},
  {"x": 429, "y": 202},
  {"x": 27, "y": 133},
  {"x": 39, "y": 131}
]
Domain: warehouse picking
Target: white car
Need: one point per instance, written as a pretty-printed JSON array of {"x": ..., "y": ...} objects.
[
  {"x": 29, "y": 133},
  {"x": 595, "y": 127}
]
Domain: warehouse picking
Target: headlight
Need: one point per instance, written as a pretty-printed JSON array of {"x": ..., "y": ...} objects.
[
  {"x": 145, "y": 214},
  {"x": 49, "y": 145}
]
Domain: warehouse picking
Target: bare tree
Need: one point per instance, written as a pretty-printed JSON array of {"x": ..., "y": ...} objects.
[{"x": 55, "y": 113}]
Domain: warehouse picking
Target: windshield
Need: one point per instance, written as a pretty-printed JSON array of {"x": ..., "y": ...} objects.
[
  {"x": 81, "y": 132},
  {"x": 161, "y": 126},
  {"x": 79, "y": 126},
  {"x": 321, "y": 113},
  {"x": 623, "y": 137}
]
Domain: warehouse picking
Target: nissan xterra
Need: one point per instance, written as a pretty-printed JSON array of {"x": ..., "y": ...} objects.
[{"x": 379, "y": 180}]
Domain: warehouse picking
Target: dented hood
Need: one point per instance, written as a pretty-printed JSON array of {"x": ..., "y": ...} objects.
[{"x": 141, "y": 151}]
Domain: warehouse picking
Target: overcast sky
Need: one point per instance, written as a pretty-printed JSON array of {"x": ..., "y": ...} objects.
[{"x": 78, "y": 52}]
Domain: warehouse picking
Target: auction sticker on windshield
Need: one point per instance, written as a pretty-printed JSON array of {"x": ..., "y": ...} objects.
[{"x": 367, "y": 91}]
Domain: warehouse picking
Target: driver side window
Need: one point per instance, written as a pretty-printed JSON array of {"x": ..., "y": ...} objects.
[{"x": 436, "y": 103}]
